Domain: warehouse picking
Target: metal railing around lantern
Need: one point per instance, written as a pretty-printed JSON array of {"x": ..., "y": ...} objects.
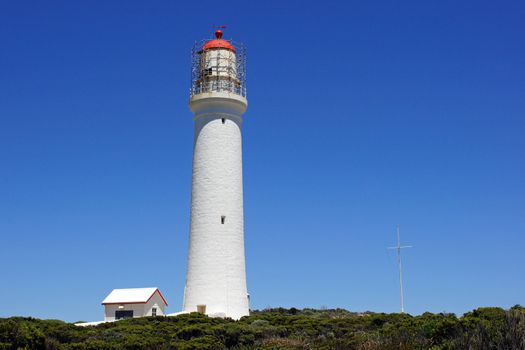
[{"x": 221, "y": 72}]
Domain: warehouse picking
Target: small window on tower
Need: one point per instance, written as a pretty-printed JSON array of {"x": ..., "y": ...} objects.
[
  {"x": 154, "y": 312},
  {"x": 223, "y": 120},
  {"x": 223, "y": 219}
]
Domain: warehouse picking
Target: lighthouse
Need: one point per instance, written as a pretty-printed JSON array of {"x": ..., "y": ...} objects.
[{"x": 216, "y": 274}]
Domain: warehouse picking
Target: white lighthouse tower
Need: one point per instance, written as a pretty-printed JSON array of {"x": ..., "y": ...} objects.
[{"x": 216, "y": 275}]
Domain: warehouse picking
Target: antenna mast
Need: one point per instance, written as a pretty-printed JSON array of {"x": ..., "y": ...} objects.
[{"x": 398, "y": 248}]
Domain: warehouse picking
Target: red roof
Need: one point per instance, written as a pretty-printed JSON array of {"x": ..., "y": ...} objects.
[{"x": 218, "y": 43}]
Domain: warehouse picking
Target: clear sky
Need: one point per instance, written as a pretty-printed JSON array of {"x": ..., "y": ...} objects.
[{"x": 362, "y": 115}]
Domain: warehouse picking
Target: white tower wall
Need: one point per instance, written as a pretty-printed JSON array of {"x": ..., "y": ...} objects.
[{"x": 216, "y": 275}]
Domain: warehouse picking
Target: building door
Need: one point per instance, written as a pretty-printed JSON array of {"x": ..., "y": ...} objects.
[{"x": 120, "y": 314}]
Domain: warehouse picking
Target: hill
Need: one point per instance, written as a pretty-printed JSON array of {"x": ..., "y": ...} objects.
[{"x": 483, "y": 328}]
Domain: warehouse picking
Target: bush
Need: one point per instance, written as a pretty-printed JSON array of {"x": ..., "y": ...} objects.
[{"x": 483, "y": 328}]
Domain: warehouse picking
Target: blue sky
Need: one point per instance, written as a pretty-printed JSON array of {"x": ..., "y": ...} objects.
[{"x": 362, "y": 115}]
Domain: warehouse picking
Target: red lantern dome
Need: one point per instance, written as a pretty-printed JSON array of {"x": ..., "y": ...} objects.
[{"x": 218, "y": 43}]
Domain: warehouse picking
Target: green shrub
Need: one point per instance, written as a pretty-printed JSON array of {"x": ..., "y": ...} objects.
[{"x": 483, "y": 328}]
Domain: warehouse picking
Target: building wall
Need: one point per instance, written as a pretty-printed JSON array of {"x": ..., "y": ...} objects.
[
  {"x": 155, "y": 301},
  {"x": 216, "y": 274},
  {"x": 109, "y": 312}
]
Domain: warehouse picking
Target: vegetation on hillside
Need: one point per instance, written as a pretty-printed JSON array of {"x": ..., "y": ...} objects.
[{"x": 483, "y": 328}]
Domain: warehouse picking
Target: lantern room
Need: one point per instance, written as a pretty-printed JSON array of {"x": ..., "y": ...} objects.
[{"x": 218, "y": 65}]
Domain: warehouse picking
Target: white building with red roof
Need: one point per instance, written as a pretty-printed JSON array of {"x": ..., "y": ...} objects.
[{"x": 133, "y": 302}]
